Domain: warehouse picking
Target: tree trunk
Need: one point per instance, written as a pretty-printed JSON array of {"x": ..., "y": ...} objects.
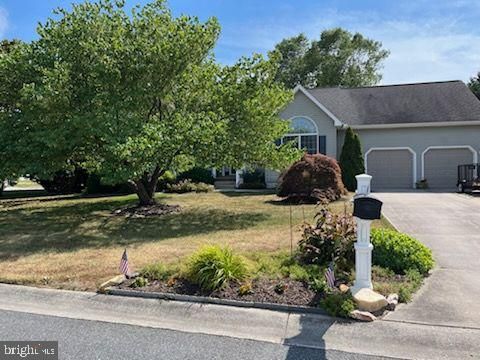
[
  {"x": 145, "y": 197},
  {"x": 145, "y": 188}
]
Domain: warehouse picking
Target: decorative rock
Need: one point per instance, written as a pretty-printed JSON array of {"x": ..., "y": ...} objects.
[
  {"x": 343, "y": 288},
  {"x": 392, "y": 302},
  {"x": 369, "y": 300},
  {"x": 362, "y": 315},
  {"x": 392, "y": 297},
  {"x": 117, "y": 280}
]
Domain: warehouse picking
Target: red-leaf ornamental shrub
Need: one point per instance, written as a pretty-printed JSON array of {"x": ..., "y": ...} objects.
[
  {"x": 311, "y": 179},
  {"x": 330, "y": 239}
]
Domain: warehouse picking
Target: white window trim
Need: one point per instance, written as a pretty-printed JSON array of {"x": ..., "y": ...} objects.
[
  {"x": 414, "y": 158},
  {"x": 299, "y": 135},
  {"x": 473, "y": 151}
]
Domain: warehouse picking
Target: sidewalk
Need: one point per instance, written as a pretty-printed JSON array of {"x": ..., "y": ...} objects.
[{"x": 382, "y": 338}]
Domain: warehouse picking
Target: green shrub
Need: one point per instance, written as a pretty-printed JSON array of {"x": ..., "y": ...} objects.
[
  {"x": 332, "y": 237},
  {"x": 400, "y": 252},
  {"x": 65, "y": 181},
  {"x": 185, "y": 186},
  {"x": 197, "y": 175},
  {"x": 157, "y": 271},
  {"x": 166, "y": 179},
  {"x": 203, "y": 188},
  {"x": 351, "y": 159},
  {"x": 253, "y": 179},
  {"x": 212, "y": 267},
  {"x": 95, "y": 186},
  {"x": 139, "y": 282},
  {"x": 338, "y": 304},
  {"x": 254, "y": 186},
  {"x": 319, "y": 285}
]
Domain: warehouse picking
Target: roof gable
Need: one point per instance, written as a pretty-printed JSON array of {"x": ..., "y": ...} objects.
[{"x": 300, "y": 88}]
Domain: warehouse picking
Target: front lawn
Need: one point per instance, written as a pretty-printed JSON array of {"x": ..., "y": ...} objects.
[{"x": 76, "y": 243}]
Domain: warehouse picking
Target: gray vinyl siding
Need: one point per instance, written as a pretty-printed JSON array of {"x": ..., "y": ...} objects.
[
  {"x": 417, "y": 138},
  {"x": 303, "y": 106}
]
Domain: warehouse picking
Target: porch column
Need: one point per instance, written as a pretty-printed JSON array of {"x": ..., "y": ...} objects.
[{"x": 238, "y": 178}]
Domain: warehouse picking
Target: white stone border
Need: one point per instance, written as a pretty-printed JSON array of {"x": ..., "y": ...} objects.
[
  {"x": 414, "y": 158},
  {"x": 440, "y": 147}
]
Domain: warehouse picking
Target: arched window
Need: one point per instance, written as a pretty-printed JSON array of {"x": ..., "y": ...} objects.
[
  {"x": 304, "y": 133},
  {"x": 301, "y": 125}
]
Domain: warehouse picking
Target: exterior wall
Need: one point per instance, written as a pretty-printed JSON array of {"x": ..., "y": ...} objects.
[
  {"x": 302, "y": 106},
  {"x": 417, "y": 138}
]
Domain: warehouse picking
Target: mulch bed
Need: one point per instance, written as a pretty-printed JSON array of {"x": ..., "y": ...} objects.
[
  {"x": 263, "y": 290},
  {"x": 145, "y": 211}
]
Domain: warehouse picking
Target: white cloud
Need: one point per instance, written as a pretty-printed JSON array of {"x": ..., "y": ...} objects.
[{"x": 426, "y": 47}]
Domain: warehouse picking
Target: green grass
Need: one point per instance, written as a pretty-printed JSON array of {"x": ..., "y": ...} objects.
[
  {"x": 386, "y": 282},
  {"x": 76, "y": 243}
]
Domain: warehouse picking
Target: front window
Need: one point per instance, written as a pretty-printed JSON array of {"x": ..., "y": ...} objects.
[{"x": 304, "y": 134}]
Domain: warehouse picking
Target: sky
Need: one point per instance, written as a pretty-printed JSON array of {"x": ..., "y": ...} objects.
[{"x": 429, "y": 40}]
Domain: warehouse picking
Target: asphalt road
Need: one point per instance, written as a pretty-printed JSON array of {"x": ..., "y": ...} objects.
[{"x": 83, "y": 339}]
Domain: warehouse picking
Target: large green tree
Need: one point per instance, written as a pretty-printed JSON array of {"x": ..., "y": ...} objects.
[
  {"x": 132, "y": 95},
  {"x": 474, "y": 85},
  {"x": 337, "y": 58},
  {"x": 351, "y": 159}
]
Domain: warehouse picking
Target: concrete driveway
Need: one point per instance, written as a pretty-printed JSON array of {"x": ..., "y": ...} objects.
[{"x": 449, "y": 224}]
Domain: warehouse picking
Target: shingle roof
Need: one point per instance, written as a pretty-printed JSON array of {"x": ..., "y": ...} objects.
[{"x": 401, "y": 104}]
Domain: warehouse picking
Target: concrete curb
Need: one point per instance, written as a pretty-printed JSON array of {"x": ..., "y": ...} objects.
[{"x": 216, "y": 301}]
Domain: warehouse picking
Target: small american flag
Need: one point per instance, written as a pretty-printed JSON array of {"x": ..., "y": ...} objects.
[
  {"x": 124, "y": 267},
  {"x": 330, "y": 276}
]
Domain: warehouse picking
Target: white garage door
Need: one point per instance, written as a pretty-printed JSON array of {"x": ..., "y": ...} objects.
[
  {"x": 390, "y": 169},
  {"x": 440, "y": 166}
]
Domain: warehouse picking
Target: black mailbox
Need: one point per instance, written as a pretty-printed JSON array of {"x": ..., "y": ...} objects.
[{"x": 367, "y": 208}]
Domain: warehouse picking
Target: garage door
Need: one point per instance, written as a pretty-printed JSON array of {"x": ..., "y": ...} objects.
[
  {"x": 440, "y": 166},
  {"x": 390, "y": 169}
]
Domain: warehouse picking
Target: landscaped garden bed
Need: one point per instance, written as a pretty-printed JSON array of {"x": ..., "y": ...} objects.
[
  {"x": 263, "y": 290},
  {"x": 295, "y": 278}
]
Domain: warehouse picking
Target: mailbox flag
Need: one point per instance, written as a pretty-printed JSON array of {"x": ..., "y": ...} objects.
[{"x": 330, "y": 276}]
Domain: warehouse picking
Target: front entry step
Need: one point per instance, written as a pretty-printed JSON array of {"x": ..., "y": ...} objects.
[{"x": 225, "y": 182}]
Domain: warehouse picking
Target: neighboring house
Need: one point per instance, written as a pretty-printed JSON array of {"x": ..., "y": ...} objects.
[{"x": 408, "y": 132}]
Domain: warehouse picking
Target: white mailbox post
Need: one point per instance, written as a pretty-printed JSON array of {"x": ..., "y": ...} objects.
[{"x": 363, "y": 247}]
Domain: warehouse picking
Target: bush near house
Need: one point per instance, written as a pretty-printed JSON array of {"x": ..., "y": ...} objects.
[
  {"x": 185, "y": 186},
  {"x": 94, "y": 185},
  {"x": 65, "y": 181},
  {"x": 253, "y": 179},
  {"x": 351, "y": 159},
  {"x": 166, "y": 179},
  {"x": 197, "y": 175},
  {"x": 311, "y": 179}
]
